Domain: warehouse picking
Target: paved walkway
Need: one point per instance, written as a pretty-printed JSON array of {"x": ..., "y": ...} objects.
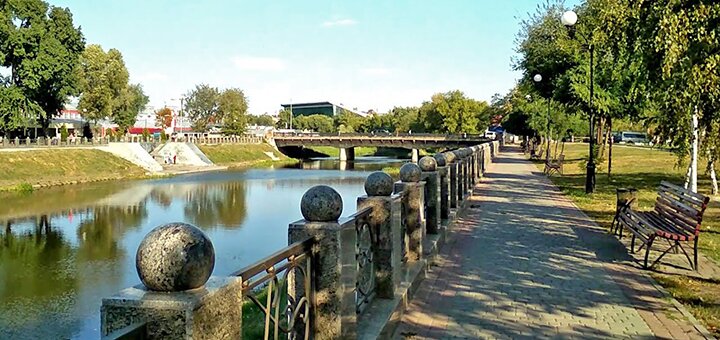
[{"x": 526, "y": 263}]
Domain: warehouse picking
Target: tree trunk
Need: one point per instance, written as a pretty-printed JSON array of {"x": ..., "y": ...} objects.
[
  {"x": 610, "y": 146},
  {"x": 688, "y": 174},
  {"x": 713, "y": 177},
  {"x": 694, "y": 159}
]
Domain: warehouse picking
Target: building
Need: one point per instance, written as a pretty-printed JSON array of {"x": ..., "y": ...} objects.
[{"x": 323, "y": 108}]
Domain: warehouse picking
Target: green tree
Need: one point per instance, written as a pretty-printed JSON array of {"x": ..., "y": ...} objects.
[
  {"x": 201, "y": 105},
  {"x": 232, "y": 111},
  {"x": 285, "y": 116},
  {"x": 404, "y": 119},
  {"x": 452, "y": 112},
  {"x": 262, "y": 120},
  {"x": 348, "y": 122},
  {"x": 133, "y": 102},
  {"x": 317, "y": 122},
  {"x": 103, "y": 80},
  {"x": 41, "y": 47}
]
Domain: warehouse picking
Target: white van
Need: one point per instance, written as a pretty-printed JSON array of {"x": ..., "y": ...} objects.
[{"x": 490, "y": 134}]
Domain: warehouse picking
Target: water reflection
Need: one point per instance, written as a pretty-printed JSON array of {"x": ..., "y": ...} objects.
[{"x": 62, "y": 250}]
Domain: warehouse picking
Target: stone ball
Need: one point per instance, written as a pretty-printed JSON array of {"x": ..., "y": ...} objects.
[
  {"x": 321, "y": 203},
  {"x": 450, "y": 157},
  {"x": 410, "y": 172},
  {"x": 379, "y": 184},
  {"x": 440, "y": 159},
  {"x": 175, "y": 257},
  {"x": 427, "y": 163},
  {"x": 458, "y": 154},
  {"x": 467, "y": 152}
]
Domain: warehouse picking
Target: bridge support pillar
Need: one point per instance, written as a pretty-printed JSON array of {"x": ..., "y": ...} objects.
[
  {"x": 415, "y": 155},
  {"x": 347, "y": 154}
]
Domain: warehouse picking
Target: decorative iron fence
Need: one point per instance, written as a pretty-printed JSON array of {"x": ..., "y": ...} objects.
[
  {"x": 280, "y": 286},
  {"x": 364, "y": 256}
]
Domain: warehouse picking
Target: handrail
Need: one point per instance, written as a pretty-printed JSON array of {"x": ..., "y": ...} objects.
[{"x": 294, "y": 249}]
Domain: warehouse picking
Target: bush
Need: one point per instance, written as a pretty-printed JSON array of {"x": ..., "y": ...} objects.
[
  {"x": 146, "y": 133},
  {"x": 24, "y": 188},
  {"x": 64, "y": 133},
  {"x": 163, "y": 136}
]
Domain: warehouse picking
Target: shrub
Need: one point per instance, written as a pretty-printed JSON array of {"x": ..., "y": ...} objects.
[{"x": 64, "y": 133}]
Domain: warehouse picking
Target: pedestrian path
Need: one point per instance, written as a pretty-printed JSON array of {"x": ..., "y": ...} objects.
[{"x": 524, "y": 262}]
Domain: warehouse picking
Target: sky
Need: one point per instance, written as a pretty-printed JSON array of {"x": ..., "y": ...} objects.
[{"x": 362, "y": 54}]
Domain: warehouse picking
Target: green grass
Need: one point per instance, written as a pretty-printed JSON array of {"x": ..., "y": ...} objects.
[
  {"x": 246, "y": 155},
  {"x": 644, "y": 168},
  {"x": 22, "y": 170},
  {"x": 360, "y": 151},
  {"x": 700, "y": 296},
  {"x": 393, "y": 171}
]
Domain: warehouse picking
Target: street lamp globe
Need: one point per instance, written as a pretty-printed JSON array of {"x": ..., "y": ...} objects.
[
  {"x": 537, "y": 78},
  {"x": 569, "y": 18},
  {"x": 528, "y": 97}
]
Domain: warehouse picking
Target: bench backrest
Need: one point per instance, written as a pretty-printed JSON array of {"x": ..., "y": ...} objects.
[{"x": 681, "y": 207}]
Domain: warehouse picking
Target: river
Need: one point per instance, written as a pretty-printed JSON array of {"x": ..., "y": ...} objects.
[{"x": 63, "y": 249}]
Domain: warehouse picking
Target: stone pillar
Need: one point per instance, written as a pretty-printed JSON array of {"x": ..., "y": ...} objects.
[
  {"x": 347, "y": 154},
  {"x": 452, "y": 166},
  {"x": 415, "y": 155},
  {"x": 443, "y": 173},
  {"x": 459, "y": 190},
  {"x": 430, "y": 176},
  {"x": 413, "y": 209},
  {"x": 335, "y": 268},
  {"x": 385, "y": 219},
  {"x": 178, "y": 299}
]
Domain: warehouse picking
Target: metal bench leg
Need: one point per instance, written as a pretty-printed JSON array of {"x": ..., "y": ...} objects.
[
  {"x": 632, "y": 245},
  {"x": 647, "y": 250},
  {"x": 695, "y": 253},
  {"x": 678, "y": 245}
]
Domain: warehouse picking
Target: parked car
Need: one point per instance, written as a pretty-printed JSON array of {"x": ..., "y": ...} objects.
[
  {"x": 630, "y": 137},
  {"x": 490, "y": 134}
]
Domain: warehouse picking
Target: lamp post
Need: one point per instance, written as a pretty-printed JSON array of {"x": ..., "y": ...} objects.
[{"x": 569, "y": 19}]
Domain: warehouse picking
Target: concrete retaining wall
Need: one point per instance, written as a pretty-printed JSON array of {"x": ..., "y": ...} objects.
[
  {"x": 184, "y": 153},
  {"x": 134, "y": 153}
]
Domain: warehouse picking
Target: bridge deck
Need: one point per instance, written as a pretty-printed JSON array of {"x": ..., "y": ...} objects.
[{"x": 527, "y": 263}]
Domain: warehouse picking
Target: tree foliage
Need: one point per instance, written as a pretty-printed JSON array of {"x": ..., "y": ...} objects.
[
  {"x": 201, "y": 105},
  {"x": 164, "y": 117},
  {"x": 232, "y": 111},
  {"x": 453, "y": 112},
  {"x": 41, "y": 47}
]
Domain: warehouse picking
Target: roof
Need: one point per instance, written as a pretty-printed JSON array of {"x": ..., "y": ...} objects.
[{"x": 314, "y": 104}]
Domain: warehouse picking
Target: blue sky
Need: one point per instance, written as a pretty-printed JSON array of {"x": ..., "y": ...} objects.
[{"x": 364, "y": 54}]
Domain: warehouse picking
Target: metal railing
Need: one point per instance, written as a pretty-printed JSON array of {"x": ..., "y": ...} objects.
[
  {"x": 364, "y": 256},
  {"x": 280, "y": 285}
]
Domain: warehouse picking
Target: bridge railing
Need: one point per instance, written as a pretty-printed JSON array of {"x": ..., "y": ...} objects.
[
  {"x": 326, "y": 284},
  {"x": 375, "y": 135}
]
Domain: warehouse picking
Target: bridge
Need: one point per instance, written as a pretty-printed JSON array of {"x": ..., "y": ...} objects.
[{"x": 347, "y": 142}]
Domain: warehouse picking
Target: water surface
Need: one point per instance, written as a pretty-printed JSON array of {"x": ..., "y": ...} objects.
[{"x": 63, "y": 249}]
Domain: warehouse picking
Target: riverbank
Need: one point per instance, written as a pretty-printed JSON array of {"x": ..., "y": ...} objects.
[
  {"x": 29, "y": 170},
  {"x": 245, "y": 155}
]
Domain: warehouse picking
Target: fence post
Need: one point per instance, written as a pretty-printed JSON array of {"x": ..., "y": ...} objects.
[
  {"x": 459, "y": 191},
  {"x": 444, "y": 181},
  {"x": 428, "y": 165},
  {"x": 385, "y": 221},
  {"x": 450, "y": 160},
  {"x": 335, "y": 268},
  {"x": 178, "y": 299},
  {"x": 413, "y": 209}
]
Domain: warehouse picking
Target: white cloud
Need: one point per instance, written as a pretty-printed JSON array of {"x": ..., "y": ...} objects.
[
  {"x": 248, "y": 63},
  {"x": 339, "y": 22},
  {"x": 376, "y": 71}
]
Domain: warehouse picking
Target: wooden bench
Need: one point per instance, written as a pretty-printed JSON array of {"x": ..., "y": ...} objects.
[
  {"x": 555, "y": 165},
  {"x": 676, "y": 218},
  {"x": 534, "y": 155}
]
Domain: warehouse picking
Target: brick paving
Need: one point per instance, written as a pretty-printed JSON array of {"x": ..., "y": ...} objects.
[{"x": 524, "y": 262}]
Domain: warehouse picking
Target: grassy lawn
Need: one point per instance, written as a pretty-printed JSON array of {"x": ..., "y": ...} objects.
[
  {"x": 360, "y": 151},
  {"x": 644, "y": 168},
  {"x": 24, "y": 169},
  {"x": 241, "y": 154}
]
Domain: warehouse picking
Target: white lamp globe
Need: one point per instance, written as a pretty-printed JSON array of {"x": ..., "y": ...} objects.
[
  {"x": 569, "y": 18},
  {"x": 537, "y": 78},
  {"x": 528, "y": 97}
]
